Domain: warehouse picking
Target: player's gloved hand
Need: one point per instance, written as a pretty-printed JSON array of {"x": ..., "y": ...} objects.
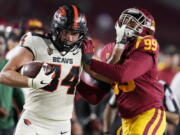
[
  {"x": 120, "y": 36},
  {"x": 87, "y": 51},
  {"x": 42, "y": 79}
]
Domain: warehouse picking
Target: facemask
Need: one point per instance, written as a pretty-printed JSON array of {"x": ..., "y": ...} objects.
[{"x": 129, "y": 33}]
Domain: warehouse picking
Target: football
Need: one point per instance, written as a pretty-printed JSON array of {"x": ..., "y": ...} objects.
[{"x": 31, "y": 69}]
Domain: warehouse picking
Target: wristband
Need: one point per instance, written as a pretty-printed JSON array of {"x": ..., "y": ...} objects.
[{"x": 30, "y": 82}]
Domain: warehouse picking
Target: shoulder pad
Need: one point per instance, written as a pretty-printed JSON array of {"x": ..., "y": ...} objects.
[
  {"x": 147, "y": 44},
  {"x": 24, "y": 38},
  {"x": 30, "y": 37}
]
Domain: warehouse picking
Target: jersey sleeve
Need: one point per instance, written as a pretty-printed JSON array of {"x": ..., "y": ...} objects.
[
  {"x": 29, "y": 42},
  {"x": 126, "y": 71},
  {"x": 147, "y": 44},
  {"x": 142, "y": 57}
]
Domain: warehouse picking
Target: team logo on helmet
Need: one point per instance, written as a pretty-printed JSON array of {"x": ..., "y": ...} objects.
[{"x": 62, "y": 11}]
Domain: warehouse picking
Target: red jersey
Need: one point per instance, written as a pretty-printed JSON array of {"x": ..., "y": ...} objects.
[{"x": 137, "y": 77}]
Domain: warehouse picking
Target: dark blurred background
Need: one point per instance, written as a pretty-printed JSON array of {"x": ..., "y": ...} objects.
[
  {"x": 20, "y": 16},
  {"x": 101, "y": 15}
]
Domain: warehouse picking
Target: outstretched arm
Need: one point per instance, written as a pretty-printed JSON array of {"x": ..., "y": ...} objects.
[
  {"x": 96, "y": 75},
  {"x": 136, "y": 65},
  {"x": 9, "y": 75}
]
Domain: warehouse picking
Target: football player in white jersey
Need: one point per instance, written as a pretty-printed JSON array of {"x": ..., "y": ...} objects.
[{"x": 49, "y": 105}]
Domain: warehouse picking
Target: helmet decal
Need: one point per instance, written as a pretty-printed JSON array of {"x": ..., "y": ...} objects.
[
  {"x": 62, "y": 11},
  {"x": 75, "y": 25}
]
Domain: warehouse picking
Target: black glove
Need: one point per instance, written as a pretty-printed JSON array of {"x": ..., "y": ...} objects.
[{"x": 87, "y": 51}]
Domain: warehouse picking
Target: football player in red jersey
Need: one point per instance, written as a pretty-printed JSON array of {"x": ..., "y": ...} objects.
[{"x": 139, "y": 94}]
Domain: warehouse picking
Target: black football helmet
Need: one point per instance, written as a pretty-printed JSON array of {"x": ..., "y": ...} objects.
[{"x": 68, "y": 17}]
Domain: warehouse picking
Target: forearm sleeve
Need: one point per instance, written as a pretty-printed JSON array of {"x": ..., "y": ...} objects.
[{"x": 138, "y": 64}]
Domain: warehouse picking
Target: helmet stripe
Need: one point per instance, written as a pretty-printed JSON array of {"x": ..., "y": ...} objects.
[{"x": 75, "y": 25}]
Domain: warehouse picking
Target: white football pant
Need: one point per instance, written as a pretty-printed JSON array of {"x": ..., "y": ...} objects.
[{"x": 29, "y": 124}]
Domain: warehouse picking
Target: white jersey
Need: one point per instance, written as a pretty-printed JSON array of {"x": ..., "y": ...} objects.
[
  {"x": 170, "y": 99},
  {"x": 175, "y": 85},
  {"x": 55, "y": 102}
]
